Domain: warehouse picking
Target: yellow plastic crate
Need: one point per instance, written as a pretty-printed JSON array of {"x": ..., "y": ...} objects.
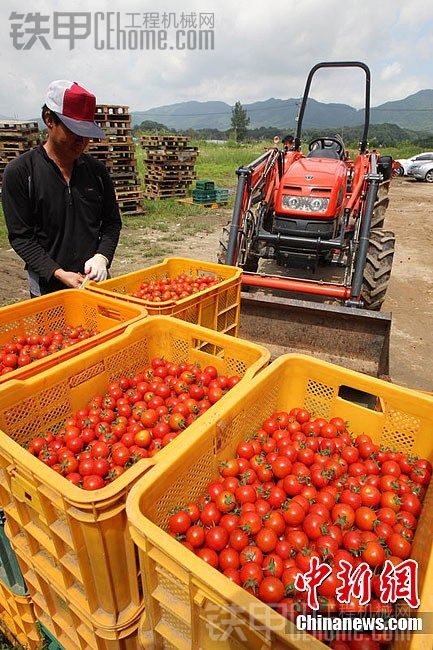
[
  {"x": 190, "y": 605},
  {"x": 67, "y": 624},
  {"x": 18, "y": 621},
  {"x": 54, "y": 311},
  {"x": 217, "y": 307},
  {"x": 79, "y": 540}
]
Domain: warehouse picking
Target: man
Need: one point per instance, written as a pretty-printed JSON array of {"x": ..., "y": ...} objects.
[
  {"x": 288, "y": 142},
  {"x": 59, "y": 203}
]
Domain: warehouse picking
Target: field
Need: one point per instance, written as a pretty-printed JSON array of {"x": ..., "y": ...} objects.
[{"x": 169, "y": 228}]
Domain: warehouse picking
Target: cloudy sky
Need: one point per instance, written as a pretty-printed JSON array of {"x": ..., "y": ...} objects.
[{"x": 261, "y": 49}]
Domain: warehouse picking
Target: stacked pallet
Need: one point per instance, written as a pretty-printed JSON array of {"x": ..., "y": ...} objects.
[
  {"x": 169, "y": 165},
  {"x": 117, "y": 152},
  {"x": 15, "y": 138}
]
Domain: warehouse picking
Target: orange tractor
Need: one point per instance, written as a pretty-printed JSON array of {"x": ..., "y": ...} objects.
[{"x": 313, "y": 225}]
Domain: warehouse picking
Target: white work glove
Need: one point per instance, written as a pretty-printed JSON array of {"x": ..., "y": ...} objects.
[{"x": 96, "y": 268}]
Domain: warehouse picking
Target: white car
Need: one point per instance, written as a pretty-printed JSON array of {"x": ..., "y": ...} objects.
[
  {"x": 406, "y": 163},
  {"x": 423, "y": 172}
]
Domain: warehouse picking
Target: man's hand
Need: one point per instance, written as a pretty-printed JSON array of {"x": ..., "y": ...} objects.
[
  {"x": 96, "y": 268},
  {"x": 69, "y": 278}
]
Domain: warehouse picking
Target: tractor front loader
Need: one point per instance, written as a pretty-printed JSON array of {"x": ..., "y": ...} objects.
[{"x": 309, "y": 233}]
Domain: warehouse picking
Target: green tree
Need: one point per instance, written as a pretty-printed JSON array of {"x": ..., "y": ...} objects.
[
  {"x": 239, "y": 122},
  {"x": 148, "y": 126}
]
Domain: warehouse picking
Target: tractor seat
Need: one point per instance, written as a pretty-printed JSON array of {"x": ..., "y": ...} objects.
[{"x": 323, "y": 153}]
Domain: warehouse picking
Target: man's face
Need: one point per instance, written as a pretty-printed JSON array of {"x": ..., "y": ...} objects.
[{"x": 68, "y": 144}]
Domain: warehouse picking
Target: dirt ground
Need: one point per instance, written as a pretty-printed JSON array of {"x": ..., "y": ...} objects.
[{"x": 409, "y": 298}]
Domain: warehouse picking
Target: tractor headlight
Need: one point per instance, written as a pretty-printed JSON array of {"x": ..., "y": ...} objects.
[
  {"x": 318, "y": 205},
  {"x": 293, "y": 202},
  {"x": 305, "y": 203}
]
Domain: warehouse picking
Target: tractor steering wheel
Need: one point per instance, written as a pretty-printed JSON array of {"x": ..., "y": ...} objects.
[{"x": 327, "y": 143}]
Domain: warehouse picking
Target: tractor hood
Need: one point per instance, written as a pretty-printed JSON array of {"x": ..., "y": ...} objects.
[
  {"x": 309, "y": 173},
  {"x": 320, "y": 178}
]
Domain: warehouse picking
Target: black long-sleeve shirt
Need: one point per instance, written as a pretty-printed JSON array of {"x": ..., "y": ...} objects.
[{"x": 53, "y": 224}]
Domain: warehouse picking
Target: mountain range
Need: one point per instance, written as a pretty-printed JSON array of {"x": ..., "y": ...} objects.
[{"x": 414, "y": 112}]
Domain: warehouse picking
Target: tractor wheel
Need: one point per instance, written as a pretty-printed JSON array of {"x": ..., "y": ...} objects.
[
  {"x": 378, "y": 216},
  {"x": 251, "y": 264},
  {"x": 378, "y": 267}
]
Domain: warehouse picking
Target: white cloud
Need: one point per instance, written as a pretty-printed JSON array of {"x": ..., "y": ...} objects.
[
  {"x": 391, "y": 71},
  {"x": 261, "y": 50}
]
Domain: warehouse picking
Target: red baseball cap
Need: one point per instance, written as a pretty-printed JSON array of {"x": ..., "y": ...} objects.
[{"x": 75, "y": 107}]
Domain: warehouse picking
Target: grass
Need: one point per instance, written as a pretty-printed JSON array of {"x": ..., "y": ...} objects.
[
  {"x": 219, "y": 162},
  {"x": 404, "y": 151}
]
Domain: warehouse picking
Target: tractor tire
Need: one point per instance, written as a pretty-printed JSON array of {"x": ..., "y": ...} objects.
[
  {"x": 378, "y": 216},
  {"x": 251, "y": 265},
  {"x": 377, "y": 272}
]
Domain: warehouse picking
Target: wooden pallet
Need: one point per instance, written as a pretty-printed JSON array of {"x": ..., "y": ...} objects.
[
  {"x": 129, "y": 192},
  {"x": 164, "y": 194},
  {"x": 15, "y": 146},
  {"x": 169, "y": 170},
  {"x": 170, "y": 160},
  {"x": 115, "y": 148},
  {"x": 126, "y": 194},
  {"x": 133, "y": 182},
  {"x": 124, "y": 175},
  {"x": 169, "y": 173},
  {"x": 120, "y": 121},
  {"x": 19, "y": 136},
  {"x": 130, "y": 208},
  {"x": 120, "y": 185},
  {"x": 16, "y": 137},
  {"x": 113, "y": 137},
  {"x": 169, "y": 165},
  {"x": 172, "y": 165},
  {"x": 7, "y": 156},
  {"x": 170, "y": 149},
  {"x": 117, "y": 131},
  {"x": 122, "y": 164},
  {"x": 166, "y": 140},
  {"x": 111, "y": 109},
  {"x": 155, "y": 178},
  {"x": 117, "y": 151},
  {"x": 157, "y": 165},
  {"x": 18, "y": 125},
  {"x": 113, "y": 154}
]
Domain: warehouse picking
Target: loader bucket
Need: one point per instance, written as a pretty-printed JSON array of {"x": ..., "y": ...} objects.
[{"x": 354, "y": 338}]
